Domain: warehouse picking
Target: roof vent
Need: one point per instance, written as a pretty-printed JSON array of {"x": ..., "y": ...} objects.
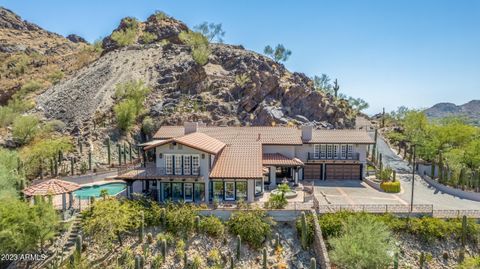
[{"x": 259, "y": 137}]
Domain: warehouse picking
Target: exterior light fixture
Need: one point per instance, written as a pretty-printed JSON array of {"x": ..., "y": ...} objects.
[{"x": 160, "y": 155}]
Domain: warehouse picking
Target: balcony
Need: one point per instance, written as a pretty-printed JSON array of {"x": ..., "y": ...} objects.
[
  {"x": 352, "y": 157},
  {"x": 139, "y": 172}
]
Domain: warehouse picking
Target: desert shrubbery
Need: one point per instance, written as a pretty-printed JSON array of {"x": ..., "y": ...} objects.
[
  {"x": 391, "y": 187},
  {"x": 212, "y": 225},
  {"x": 24, "y": 129},
  {"x": 131, "y": 95},
  {"x": 253, "y": 226},
  {"x": 199, "y": 45},
  {"x": 148, "y": 38}
]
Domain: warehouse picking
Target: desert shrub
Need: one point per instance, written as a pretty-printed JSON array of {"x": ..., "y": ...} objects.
[
  {"x": 253, "y": 226},
  {"x": 31, "y": 86},
  {"x": 391, "y": 187},
  {"x": 168, "y": 237},
  {"x": 56, "y": 76},
  {"x": 148, "y": 38},
  {"x": 242, "y": 79},
  {"x": 20, "y": 105},
  {"x": 148, "y": 126},
  {"x": 214, "y": 257},
  {"x": 197, "y": 262},
  {"x": 199, "y": 45},
  {"x": 7, "y": 115},
  {"x": 160, "y": 15},
  {"x": 97, "y": 46},
  {"x": 470, "y": 263},
  {"x": 134, "y": 90},
  {"x": 212, "y": 225},
  {"x": 54, "y": 126},
  {"x": 124, "y": 37},
  {"x": 43, "y": 149},
  {"x": 310, "y": 228},
  {"x": 151, "y": 210},
  {"x": 125, "y": 113},
  {"x": 364, "y": 243},
  {"x": 385, "y": 174},
  {"x": 24, "y": 129},
  {"x": 429, "y": 228},
  {"x": 276, "y": 201},
  {"x": 331, "y": 223},
  {"x": 180, "y": 218},
  {"x": 180, "y": 249},
  {"x": 18, "y": 64},
  {"x": 10, "y": 177}
]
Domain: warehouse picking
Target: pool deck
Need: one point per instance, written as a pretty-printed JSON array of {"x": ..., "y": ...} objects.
[{"x": 102, "y": 182}]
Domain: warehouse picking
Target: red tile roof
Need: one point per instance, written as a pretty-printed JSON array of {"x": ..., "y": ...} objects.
[
  {"x": 51, "y": 187},
  {"x": 344, "y": 136},
  {"x": 239, "y": 161},
  {"x": 280, "y": 159},
  {"x": 197, "y": 140}
]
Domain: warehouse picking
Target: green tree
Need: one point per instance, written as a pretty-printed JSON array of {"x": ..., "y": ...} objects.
[
  {"x": 10, "y": 177},
  {"x": 124, "y": 37},
  {"x": 253, "y": 226},
  {"x": 24, "y": 129},
  {"x": 135, "y": 90},
  {"x": 211, "y": 31},
  {"x": 365, "y": 243},
  {"x": 199, "y": 45},
  {"x": 44, "y": 221},
  {"x": 322, "y": 83},
  {"x": 148, "y": 38},
  {"x": 15, "y": 223},
  {"x": 125, "y": 113},
  {"x": 279, "y": 54},
  {"x": 109, "y": 219},
  {"x": 358, "y": 104}
]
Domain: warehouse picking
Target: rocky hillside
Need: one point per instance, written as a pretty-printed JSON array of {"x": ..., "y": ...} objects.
[
  {"x": 29, "y": 53},
  {"x": 234, "y": 87},
  {"x": 470, "y": 110}
]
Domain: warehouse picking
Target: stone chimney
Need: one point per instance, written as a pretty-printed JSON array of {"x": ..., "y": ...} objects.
[
  {"x": 307, "y": 131},
  {"x": 190, "y": 127}
]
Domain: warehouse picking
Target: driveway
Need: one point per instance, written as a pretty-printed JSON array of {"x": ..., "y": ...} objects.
[
  {"x": 423, "y": 193},
  {"x": 352, "y": 192}
]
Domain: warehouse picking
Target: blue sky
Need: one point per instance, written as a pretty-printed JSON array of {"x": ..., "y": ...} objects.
[{"x": 390, "y": 53}]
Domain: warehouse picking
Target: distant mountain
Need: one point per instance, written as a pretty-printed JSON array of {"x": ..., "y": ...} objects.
[{"x": 470, "y": 110}]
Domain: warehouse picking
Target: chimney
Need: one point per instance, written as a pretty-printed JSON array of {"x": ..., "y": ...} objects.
[
  {"x": 307, "y": 132},
  {"x": 190, "y": 127}
]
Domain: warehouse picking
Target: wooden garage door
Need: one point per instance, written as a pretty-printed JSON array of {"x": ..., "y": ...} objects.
[
  {"x": 342, "y": 171},
  {"x": 312, "y": 171}
]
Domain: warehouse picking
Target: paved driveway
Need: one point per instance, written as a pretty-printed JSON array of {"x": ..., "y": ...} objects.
[{"x": 352, "y": 192}]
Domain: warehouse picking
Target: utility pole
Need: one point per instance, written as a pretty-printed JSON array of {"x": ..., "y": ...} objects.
[{"x": 413, "y": 177}]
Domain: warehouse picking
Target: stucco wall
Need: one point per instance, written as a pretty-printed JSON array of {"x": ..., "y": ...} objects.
[{"x": 204, "y": 162}]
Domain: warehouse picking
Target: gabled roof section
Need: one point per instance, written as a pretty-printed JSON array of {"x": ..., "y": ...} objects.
[
  {"x": 344, "y": 136},
  {"x": 167, "y": 132},
  {"x": 280, "y": 159},
  {"x": 239, "y": 161},
  {"x": 197, "y": 140}
]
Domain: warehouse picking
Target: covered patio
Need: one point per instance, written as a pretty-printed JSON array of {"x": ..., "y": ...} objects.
[{"x": 281, "y": 168}]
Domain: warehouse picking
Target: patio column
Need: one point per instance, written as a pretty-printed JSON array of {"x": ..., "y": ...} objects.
[
  {"x": 64, "y": 201},
  {"x": 158, "y": 190},
  {"x": 273, "y": 177},
  {"x": 250, "y": 191},
  {"x": 70, "y": 199},
  {"x": 295, "y": 175}
]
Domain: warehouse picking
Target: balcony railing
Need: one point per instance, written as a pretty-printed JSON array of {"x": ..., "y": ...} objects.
[
  {"x": 353, "y": 156},
  {"x": 138, "y": 171}
]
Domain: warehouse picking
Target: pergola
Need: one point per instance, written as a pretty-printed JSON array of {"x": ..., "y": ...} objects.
[{"x": 53, "y": 187}]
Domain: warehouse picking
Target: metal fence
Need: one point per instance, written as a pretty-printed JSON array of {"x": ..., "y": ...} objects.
[{"x": 374, "y": 208}]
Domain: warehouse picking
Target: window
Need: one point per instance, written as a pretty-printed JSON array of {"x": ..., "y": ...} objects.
[
  {"x": 316, "y": 151},
  {"x": 258, "y": 187},
  {"x": 178, "y": 164},
  {"x": 329, "y": 151},
  {"x": 177, "y": 192},
  {"x": 218, "y": 190},
  {"x": 229, "y": 191},
  {"x": 167, "y": 191},
  {"x": 187, "y": 168},
  {"x": 343, "y": 151},
  {"x": 335, "y": 151},
  {"x": 199, "y": 192},
  {"x": 195, "y": 165},
  {"x": 241, "y": 188},
  {"x": 169, "y": 164},
  {"x": 350, "y": 151},
  {"x": 323, "y": 151}
]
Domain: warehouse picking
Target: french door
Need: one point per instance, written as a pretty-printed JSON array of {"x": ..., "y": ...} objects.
[
  {"x": 188, "y": 190},
  {"x": 229, "y": 191}
]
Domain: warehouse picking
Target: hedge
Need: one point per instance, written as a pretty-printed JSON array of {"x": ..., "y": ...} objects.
[{"x": 389, "y": 186}]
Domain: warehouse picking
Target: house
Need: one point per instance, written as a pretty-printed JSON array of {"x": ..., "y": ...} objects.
[{"x": 199, "y": 163}]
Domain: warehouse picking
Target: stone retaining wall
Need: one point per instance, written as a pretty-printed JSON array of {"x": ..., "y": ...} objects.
[{"x": 319, "y": 246}]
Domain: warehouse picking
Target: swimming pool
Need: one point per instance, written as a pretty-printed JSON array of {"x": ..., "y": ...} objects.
[{"x": 94, "y": 190}]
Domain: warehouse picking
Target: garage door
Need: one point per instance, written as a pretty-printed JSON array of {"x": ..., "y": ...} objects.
[
  {"x": 343, "y": 171},
  {"x": 312, "y": 171}
]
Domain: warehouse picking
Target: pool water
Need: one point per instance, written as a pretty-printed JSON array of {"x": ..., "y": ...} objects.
[{"x": 94, "y": 191}]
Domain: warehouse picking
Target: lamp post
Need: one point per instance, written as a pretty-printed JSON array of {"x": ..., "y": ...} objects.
[{"x": 413, "y": 177}]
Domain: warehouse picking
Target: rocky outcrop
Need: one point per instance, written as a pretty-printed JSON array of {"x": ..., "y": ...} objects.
[
  {"x": 235, "y": 87},
  {"x": 76, "y": 39}
]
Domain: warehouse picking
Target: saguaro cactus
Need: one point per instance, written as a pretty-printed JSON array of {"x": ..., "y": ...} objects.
[
  {"x": 304, "y": 231},
  {"x": 80, "y": 145},
  {"x": 197, "y": 223},
  {"x": 185, "y": 260},
  {"x": 395, "y": 261},
  {"x": 109, "y": 152},
  {"x": 164, "y": 248},
  {"x": 232, "y": 262},
  {"x": 239, "y": 247},
  {"x": 130, "y": 151},
  {"x": 277, "y": 240},
  {"x": 141, "y": 229},
  {"x": 374, "y": 147},
  {"x": 464, "y": 231},
  {"x": 163, "y": 218},
  {"x": 313, "y": 264},
  {"x": 138, "y": 262},
  {"x": 78, "y": 244},
  {"x": 264, "y": 260},
  {"x": 90, "y": 160},
  {"x": 119, "y": 154},
  {"x": 124, "y": 153},
  {"x": 72, "y": 168},
  {"x": 394, "y": 175}
]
